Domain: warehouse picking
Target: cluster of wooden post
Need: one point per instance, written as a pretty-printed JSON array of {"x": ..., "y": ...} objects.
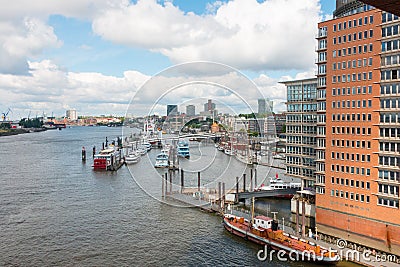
[{"x": 303, "y": 217}]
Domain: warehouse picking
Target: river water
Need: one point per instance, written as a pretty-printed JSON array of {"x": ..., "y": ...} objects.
[{"x": 56, "y": 211}]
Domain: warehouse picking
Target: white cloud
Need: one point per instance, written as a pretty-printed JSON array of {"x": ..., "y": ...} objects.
[
  {"x": 50, "y": 89},
  {"x": 243, "y": 33}
]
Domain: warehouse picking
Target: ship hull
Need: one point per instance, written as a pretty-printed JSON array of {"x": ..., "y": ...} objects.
[{"x": 277, "y": 246}]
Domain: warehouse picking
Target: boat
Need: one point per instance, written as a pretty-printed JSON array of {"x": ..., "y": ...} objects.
[
  {"x": 166, "y": 149},
  {"x": 142, "y": 151},
  {"x": 183, "y": 149},
  {"x": 132, "y": 157},
  {"x": 106, "y": 159},
  {"x": 229, "y": 152},
  {"x": 146, "y": 145},
  {"x": 265, "y": 231},
  {"x": 162, "y": 161},
  {"x": 279, "y": 184}
]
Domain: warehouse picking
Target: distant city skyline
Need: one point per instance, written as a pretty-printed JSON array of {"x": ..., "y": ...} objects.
[{"x": 73, "y": 55}]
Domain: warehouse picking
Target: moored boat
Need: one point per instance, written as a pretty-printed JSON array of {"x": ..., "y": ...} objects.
[
  {"x": 162, "y": 161},
  {"x": 132, "y": 158},
  {"x": 264, "y": 231},
  {"x": 106, "y": 159},
  {"x": 183, "y": 149}
]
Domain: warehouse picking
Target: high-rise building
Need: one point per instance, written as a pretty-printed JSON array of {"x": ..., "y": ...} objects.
[
  {"x": 190, "y": 110},
  {"x": 265, "y": 106},
  {"x": 172, "y": 110},
  {"x": 71, "y": 114},
  {"x": 301, "y": 128},
  {"x": 358, "y": 177},
  {"x": 209, "y": 106}
]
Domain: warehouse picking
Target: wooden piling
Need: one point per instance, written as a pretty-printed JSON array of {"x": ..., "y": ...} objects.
[
  {"x": 237, "y": 190},
  {"x": 182, "y": 179},
  {"x": 251, "y": 179},
  {"x": 303, "y": 219},
  {"x": 198, "y": 181},
  {"x": 223, "y": 196},
  {"x": 244, "y": 182},
  {"x": 219, "y": 194},
  {"x": 255, "y": 178},
  {"x": 170, "y": 183},
  {"x": 83, "y": 154},
  {"x": 297, "y": 215},
  {"x": 166, "y": 182}
]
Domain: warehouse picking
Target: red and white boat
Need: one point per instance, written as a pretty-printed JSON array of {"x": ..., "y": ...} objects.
[
  {"x": 264, "y": 231},
  {"x": 105, "y": 159}
]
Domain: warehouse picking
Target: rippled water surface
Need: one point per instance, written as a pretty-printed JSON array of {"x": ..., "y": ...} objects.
[{"x": 56, "y": 211}]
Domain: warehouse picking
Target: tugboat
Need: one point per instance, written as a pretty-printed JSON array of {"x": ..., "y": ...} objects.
[{"x": 264, "y": 231}]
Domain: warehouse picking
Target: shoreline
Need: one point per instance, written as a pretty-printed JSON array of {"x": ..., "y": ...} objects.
[{"x": 10, "y": 132}]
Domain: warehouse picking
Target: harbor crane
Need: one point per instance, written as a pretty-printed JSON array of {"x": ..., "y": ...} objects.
[{"x": 5, "y": 114}]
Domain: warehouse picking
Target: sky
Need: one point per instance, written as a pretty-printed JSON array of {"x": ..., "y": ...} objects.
[{"x": 98, "y": 56}]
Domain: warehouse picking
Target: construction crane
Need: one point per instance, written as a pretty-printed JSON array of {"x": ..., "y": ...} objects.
[{"x": 5, "y": 114}]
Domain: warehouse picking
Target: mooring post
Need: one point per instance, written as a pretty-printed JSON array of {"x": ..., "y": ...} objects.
[
  {"x": 170, "y": 183},
  {"x": 83, "y": 154},
  {"x": 219, "y": 194},
  {"x": 94, "y": 151},
  {"x": 255, "y": 178},
  {"x": 237, "y": 190},
  {"x": 182, "y": 179},
  {"x": 223, "y": 196},
  {"x": 251, "y": 179},
  {"x": 297, "y": 216},
  {"x": 166, "y": 183},
  {"x": 244, "y": 182},
  {"x": 303, "y": 218},
  {"x": 162, "y": 186},
  {"x": 198, "y": 181}
]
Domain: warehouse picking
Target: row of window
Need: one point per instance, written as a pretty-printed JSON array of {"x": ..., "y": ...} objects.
[
  {"x": 350, "y": 156},
  {"x": 351, "y": 143},
  {"x": 304, "y": 118},
  {"x": 300, "y": 161},
  {"x": 392, "y": 203},
  {"x": 388, "y": 189},
  {"x": 353, "y": 23},
  {"x": 390, "y": 60},
  {"x": 353, "y": 37},
  {"x": 351, "y": 195},
  {"x": 390, "y": 30},
  {"x": 390, "y": 103},
  {"x": 350, "y": 169},
  {"x": 353, "y": 77},
  {"x": 389, "y": 161},
  {"x": 293, "y": 170},
  {"x": 389, "y": 147},
  {"x": 351, "y": 183},
  {"x": 352, "y": 91},
  {"x": 391, "y": 45},
  {"x": 352, "y": 64},
  {"x": 390, "y": 89},
  {"x": 351, "y": 117},
  {"x": 301, "y": 107},
  {"x": 299, "y": 139},
  {"x": 387, "y": 17},
  {"x": 389, "y": 132},
  {"x": 390, "y": 117},
  {"x": 351, "y": 130},
  {"x": 388, "y": 75},
  {"x": 389, "y": 175},
  {"x": 360, "y": 49},
  {"x": 354, "y": 104}
]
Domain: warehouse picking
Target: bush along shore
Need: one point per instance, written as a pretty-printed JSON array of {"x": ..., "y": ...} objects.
[{"x": 7, "y": 132}]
